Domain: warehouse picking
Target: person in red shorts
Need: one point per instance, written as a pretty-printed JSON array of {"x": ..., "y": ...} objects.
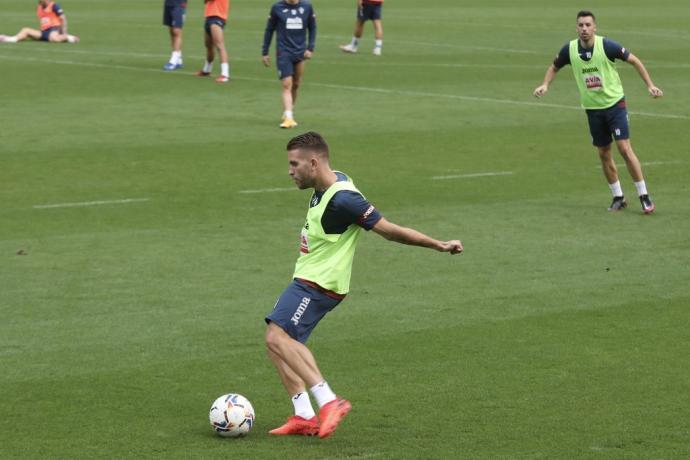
[{"x": 367, "y": 10}]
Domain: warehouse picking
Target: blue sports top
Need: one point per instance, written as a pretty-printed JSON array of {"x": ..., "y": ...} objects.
[
  {"x": 346, "y": 208},
  {"x": 612, "y": 49},
  {"x": 291, "y": 23}
]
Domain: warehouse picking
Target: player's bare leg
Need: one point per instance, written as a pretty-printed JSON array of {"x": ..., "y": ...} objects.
[
  {"x": 175, "y": 61},
  {"x": 299, "y": 359},
  {"x": 286, "y": 94},
  {"x": 608, "y": 166},
  {"x": 25, "y": 34},
  {"x": 296, "y": 81},
  {"x": 356, "y": 35},
  {"x": 304, "y": 422},
  {"x": 631, "y": 160},
  {"x": 294, "y": 354},
  {"x": 56, "y": 37},
  {"x": 176, "y": 39},
  {"x": 218, "y": 39},
  {"x": 291, "y": 381},
  {"x": 378, "y": 34},
  {"x": 635, "y": 170},
  {"x": 210, "y": 56},
  {"x": 210, "y": 52}
]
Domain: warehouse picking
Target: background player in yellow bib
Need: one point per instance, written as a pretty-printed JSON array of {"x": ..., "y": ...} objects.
[
  {"x": 336, "y": 215},
  {"x": 593, "y": 61}
]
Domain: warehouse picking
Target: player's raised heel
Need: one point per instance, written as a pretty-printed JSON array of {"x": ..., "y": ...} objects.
[
  {"x": 331, "y": 415},
  {"x": 648, "y": 205},
  {"x": 618, "y": 204},
  {"x": 297, "y": 425}
]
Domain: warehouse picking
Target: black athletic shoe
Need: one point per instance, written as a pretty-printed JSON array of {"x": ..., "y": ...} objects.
[
  {"x": 647, "y": 204},
  {"x": 618, "y": 204}
]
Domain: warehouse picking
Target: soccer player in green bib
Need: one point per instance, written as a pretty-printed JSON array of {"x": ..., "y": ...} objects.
[
  {"x": 337, "y": 214},
  {"x": 592, "y": 59}
]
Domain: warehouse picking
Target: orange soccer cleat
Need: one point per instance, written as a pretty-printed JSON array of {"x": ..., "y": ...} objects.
[
  {"x": 331, "y": 415},
  {"x": 299, "y": 426}
]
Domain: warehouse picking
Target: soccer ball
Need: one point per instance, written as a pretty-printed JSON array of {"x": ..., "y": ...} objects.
[{"x": 231, "y": 415}]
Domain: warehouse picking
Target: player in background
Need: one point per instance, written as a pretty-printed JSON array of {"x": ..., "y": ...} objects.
[
  {"x": 53, "y": 22},
  {"x": 592, "y": 58},
  {"x": 367, "y": 10},
  {"x": 173, "y": 17},
  {"x": 337, "y": 214},
  {"x": 214, "y": 38},
  {"x": 290, "y": 19}
]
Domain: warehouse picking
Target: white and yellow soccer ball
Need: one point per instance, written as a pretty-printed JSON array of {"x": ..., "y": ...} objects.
[{"x": 231, "y": 415}]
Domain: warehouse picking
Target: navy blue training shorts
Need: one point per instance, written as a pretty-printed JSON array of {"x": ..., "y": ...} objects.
[
  {"x": 369, "y": 11},
  {"x": 607, "y": 123},
  {"x": 45, "y": 34},
  {"x": 173, "y": 16},
  {"x": 300, "y": 308},
  {"x": 286, "y": 64},
  {"x": 213, "y": 20}
]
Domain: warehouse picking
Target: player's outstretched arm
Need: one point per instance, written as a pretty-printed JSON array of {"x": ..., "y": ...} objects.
[
  {"x": 404, "y": 235},
  {"x": 548, "y": 78},
  {"x": 653, "y": 90}
]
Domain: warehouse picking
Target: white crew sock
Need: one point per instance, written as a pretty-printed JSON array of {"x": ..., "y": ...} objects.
[
  {"x": 11, "y": 39},
  {"x": 288, "y": 114},
  {"x": 176, "y": 57},
  {"x": 302, "y": 405},
  {"x": 354, "y": 42},
  {"x": 616, "y": 189},
  {"x": 322, "y": 393},
  {"x": 225, "y": 69},
  {"x": 641, "y": 188},
  {"x": 208, "y": 66},
  {"x": 379, "y": 43}
]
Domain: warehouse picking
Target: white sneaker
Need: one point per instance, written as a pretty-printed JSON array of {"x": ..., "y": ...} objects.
[
  {"x": 348, "y": 48},
  {"x": 377, "y": 51}
]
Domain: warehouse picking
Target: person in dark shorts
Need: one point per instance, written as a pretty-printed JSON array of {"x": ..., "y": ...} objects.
[
  {"x": 173, "y": 17},
  {"x": 592, "y": 59},
  {"x": 53, "y": 26},
  {"x": 367, "y": 10},
  {"x": 216, "y": 13},
  {"x": 290, "y": 20},
  {"x": 337, "y": 213}
]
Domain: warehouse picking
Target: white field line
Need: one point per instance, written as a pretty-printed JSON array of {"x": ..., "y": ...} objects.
[
  {"x": 348, "y": 87},
  {"x": 472, "y": 175},
  {"x": 269, "y": 190},
  {"x": 345, "y": 62},
  {"x": 440, "y": 45},
  {"x": 89, "y": 203}
]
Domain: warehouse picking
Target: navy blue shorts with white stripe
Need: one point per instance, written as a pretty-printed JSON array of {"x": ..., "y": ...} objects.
[{"x": 300, "y": 308}]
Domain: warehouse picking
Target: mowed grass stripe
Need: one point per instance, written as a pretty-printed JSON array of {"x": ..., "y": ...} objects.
[{"x": 353, "y": 88}]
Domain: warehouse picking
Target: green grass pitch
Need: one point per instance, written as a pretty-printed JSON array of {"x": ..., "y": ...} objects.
[{"x": 562, "y": 332}]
